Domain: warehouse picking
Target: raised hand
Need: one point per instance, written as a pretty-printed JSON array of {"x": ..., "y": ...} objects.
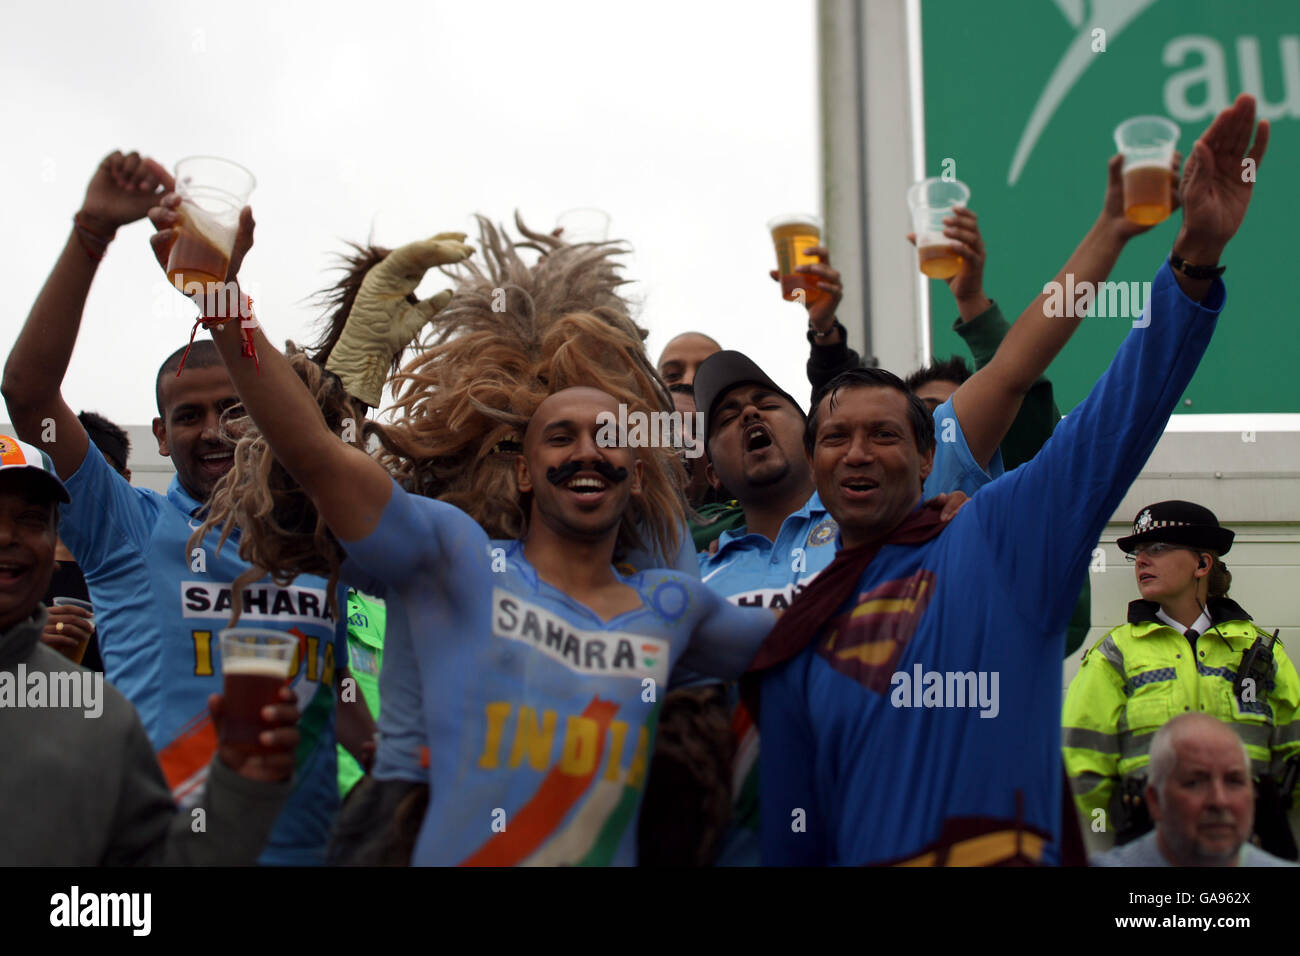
[
  {"x": 1215, "y": 189},
  {"x": 821, "y": 308},
  {"x": 1112, "y": 211},
  {"x": 967, "y": 286},
  {"x": 122, "y": 190}
]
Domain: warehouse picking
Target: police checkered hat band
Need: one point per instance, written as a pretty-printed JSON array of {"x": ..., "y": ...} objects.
[{"x": 1178, "y": 522}]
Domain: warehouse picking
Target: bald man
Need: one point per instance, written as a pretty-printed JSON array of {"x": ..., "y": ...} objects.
[
  {"x": 683, "y": 355},
  {"x": 1202, "y": 798}
]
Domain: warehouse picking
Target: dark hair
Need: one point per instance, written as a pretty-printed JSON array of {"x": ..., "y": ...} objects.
[
  {"x": 953, "y": 369},
  {"x": 109, "y": 438},
  {"x": 683, "y": 388},
  {"x": 203, "y": 354},
  {"x": 1219, "y": 579},
  {"x": 921, "y": 420}
]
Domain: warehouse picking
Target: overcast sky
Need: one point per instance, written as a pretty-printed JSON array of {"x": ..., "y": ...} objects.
[{"x": 689, "y": 123}]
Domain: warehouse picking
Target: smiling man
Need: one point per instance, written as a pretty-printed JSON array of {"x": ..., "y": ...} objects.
[
  {"x": 159, "y": 604},
  {"x": 872, "y": 775}
]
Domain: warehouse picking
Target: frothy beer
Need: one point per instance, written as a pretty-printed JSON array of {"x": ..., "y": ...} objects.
[
  {"x": 201, "y": 252},
  {"x": 251, "y": 683},
  {"x": 938, "y": 261},
  {"x": 793, "y": 237},
  {"x": 1148, "y": 193}
]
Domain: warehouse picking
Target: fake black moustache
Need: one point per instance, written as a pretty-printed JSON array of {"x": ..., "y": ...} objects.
[{"x": 558, "y": 476}]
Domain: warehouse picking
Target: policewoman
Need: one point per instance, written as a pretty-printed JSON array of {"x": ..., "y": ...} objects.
[{"x": 1185, "y": 648}]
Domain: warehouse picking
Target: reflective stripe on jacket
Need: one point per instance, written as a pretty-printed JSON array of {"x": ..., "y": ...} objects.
[{"x": 1144, "y": 672}]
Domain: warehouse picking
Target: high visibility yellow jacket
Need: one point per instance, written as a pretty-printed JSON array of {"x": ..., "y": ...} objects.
[{"x": 1145, "y": 672}]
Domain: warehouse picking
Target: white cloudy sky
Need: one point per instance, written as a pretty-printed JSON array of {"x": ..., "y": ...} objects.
[{"x": 689, "y": 123}]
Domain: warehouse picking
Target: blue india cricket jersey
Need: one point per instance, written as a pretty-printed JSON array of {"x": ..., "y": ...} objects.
[
  {"x": 539, "y": 715},
  {"x": 158, "y": 610}
]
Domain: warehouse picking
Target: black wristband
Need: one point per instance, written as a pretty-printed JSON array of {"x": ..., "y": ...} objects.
[{"x": 1179, "y": 264}]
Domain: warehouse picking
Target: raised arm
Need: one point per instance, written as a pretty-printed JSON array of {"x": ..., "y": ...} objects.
[
  {"x": 988, "y": 402},
  {"x": 120, "y": 192},
  {"x": 349, "y": 487},
  {"x": 1042, "y": 520}
]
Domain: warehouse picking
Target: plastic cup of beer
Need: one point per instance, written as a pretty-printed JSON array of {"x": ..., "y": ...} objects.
[
  {"x": 80, "y": 652},
  {"x": 583, "y": 225},
  {"x": 255, "y": 664},
  {"x": 931, "y": 202},
  {"x": 793, "y": 235},
  {"x": 213, "y": 193},
  {"x": 1147, "y": 143}
]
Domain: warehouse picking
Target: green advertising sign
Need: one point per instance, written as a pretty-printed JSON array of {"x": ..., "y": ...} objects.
[{"x": 1023, "y": 96}]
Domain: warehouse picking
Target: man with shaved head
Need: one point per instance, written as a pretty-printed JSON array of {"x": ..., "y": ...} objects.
[
  {"x": 540, "y": 668},
  {"x": 1202, "y": 798},
  {"x": 683, "y": 355}
]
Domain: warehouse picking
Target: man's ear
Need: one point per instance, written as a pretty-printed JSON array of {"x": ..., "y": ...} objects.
[
  {"x": 712, "y": 477},
  {"x": 126, "y": 473},
  {"x": 1153, "y": 803},
  {"x": 927, "y": 465},
  {"x": 522, "y": 477},
  {"x": 638, "y": 476},
  {"x": 160, "y": 433}
]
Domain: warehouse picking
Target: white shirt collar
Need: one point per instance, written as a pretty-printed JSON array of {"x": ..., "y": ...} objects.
[{"x": 1203, "y": 623}]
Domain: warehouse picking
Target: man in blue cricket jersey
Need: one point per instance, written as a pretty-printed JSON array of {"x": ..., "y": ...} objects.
[
  {"x": 909, "y": 696},
  {"x": 159, "y": 605}
]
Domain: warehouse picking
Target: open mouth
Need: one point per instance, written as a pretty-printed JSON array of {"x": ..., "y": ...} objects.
[
  {"x": 587, "y": 486},
  {"x": 858, "y": 486},
  {"x": 11, "y": 572},
  {"x": 757, "y": 437},
  {"x": 1144, "y": 578},
  {"x": 218, "y": 461}
]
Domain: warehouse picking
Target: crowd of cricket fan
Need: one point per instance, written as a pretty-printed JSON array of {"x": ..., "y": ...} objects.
[{"x": 1179, "y": 743}]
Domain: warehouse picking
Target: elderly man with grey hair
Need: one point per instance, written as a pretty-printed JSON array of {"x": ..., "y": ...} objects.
[{"x": 1202, "y": 799}]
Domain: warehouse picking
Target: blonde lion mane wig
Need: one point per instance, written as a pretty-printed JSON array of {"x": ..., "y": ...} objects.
[{"x": 513, "y": 334}]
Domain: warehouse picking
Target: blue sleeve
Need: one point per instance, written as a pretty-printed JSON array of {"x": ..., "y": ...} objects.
[
  {"x": 726, "y": 637},
  {"x": 415, "y": 536},
  {"x": 107, "y": 519},
  {"x": 955, "y": 469},
  {"x": 1042, "y": 520},
  {"x": 684, "y": 560},
  {"x": 787, "y": 773}
]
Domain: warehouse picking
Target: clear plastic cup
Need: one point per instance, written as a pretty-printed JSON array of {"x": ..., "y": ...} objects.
[
  {"x": 583, "y": 225},
  {"x": 1147, "y": 143},
  {"x": 80, "y": 652},
  {"x": 931, "y": 201},
  {"x": 793, "y": 235},
  {"x": 255, "y": 663},
  {"x": 213, "y": 192}
]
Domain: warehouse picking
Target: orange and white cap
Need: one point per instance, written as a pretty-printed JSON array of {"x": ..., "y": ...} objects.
[{"x": 19, "y": 454}]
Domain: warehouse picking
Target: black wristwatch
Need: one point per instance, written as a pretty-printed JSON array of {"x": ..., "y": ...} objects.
[{"x": 1179, "y": 264}]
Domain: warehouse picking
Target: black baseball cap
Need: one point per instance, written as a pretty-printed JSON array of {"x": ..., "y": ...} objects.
[
  {"x": 1178, "y": 522},
  {"x": 720, "y": 373}
]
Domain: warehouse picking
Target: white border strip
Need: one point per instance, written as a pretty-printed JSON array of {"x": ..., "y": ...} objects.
[
  {"x": 1235, "y": 422},
  {"x": 916, "y": 104}
]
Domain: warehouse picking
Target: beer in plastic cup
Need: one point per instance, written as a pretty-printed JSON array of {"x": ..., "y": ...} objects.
[
  {"x": 80, "y": 652},
  {"x": 255, "y": 663},
  {"x": 213, "y": 192},
  {"x": 931, "y": 201},
  {"x": 1147, "y": 143},
  {"x": 583, "y": 225},
  {"x": 793, "y": 235}
]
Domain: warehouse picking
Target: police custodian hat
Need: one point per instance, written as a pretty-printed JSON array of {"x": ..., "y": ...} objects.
[{"x": 1178, "y": 522}]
